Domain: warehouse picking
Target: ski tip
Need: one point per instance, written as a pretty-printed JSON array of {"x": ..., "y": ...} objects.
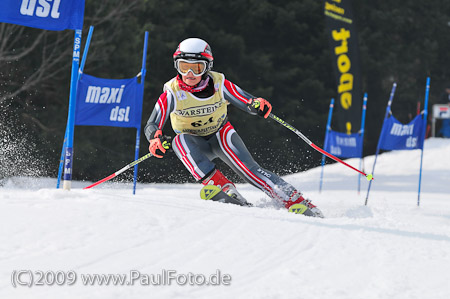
[{"x": 369, "y": 177}]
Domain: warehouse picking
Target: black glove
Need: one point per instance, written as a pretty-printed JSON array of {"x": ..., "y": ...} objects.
[{"x": 159, "y": 144}]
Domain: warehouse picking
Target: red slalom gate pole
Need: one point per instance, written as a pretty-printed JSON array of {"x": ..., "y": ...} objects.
[{"x": 369, "y": 177}]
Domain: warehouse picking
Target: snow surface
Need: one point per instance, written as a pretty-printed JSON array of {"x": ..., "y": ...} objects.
[{"x": 390, "y": 248}]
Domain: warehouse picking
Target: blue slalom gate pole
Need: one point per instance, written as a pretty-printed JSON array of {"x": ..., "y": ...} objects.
[
  {"x": 330, "y": 113},
  {"x": 138, "y": 131},
  {"x": 136, "y": 156},
  {"x": 424, "y": 129},
  {"x": 86, "y": 50},
  {"x": 388, "y": 111},
  {"x": 68, "y": 144},
  {"x": 61, "y": 159},
  {"x": 72, "y": 97},
  {"x": 363, "y": 121},
  {"x": 68, "y": 160}
]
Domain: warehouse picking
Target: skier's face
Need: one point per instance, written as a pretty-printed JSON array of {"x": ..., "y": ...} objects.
[{"x": 190, "y": 79}]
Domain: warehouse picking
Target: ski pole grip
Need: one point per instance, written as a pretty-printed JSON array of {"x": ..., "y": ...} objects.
[
  {"x": 253, "y": 106},
  {"x": 166, "y": 142}
]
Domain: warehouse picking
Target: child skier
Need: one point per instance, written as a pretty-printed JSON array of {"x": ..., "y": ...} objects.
[{"x": 196, "y": 102}]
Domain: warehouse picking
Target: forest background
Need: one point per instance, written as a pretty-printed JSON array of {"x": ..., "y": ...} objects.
[{"x": 273, "y": 49}]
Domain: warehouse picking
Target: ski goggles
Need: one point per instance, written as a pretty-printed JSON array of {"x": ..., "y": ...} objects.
[{"x": 197, "y": 67}]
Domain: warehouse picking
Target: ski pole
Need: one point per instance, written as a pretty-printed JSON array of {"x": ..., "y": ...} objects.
[
  {"x": 369, "y": 177},
  {"x": 166, "y": 143},
  {"x": 119, "y": 171}
]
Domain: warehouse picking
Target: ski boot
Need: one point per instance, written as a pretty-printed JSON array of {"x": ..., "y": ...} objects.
[
  {"x": 225, "y": 192},
  {"x": 300, "y": 205},
  {"x": 214, "y": 193},
  {"x": 232, "y": 192}
]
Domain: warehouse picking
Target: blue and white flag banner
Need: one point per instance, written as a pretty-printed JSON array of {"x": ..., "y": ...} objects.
[
  {"x": 43, "y": 14},
  {"x": 108, "y": 102},
  {"x": 344, "y": 145},
  {"x": 397, "y": 136}
]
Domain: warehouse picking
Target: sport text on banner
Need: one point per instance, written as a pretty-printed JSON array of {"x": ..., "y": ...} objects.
[
  {"x": 343, "y": 42},
  {"x": 43, "y": 14},
  {"x": 108, "y": 102},
  {"x": 397, "y": 136},
  {"x": 344, "y": 145}
]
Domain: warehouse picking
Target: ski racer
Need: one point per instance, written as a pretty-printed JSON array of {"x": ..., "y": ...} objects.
[{"x": 195, "y": 101}]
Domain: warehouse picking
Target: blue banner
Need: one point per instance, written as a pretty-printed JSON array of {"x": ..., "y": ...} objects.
[
  {"x": 397, "y": 136},
  {"x": 344, "y": 145},
  {"x": 445, "y": 130},
  {"x": 108, "y": 102},
  {"x": 43, "y": 14}
]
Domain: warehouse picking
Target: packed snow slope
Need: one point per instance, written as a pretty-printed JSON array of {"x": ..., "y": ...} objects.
[{"x": 390, "y": 248}]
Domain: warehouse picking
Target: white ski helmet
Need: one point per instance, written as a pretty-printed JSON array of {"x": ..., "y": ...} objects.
[{"x": 194, "y": 49}]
